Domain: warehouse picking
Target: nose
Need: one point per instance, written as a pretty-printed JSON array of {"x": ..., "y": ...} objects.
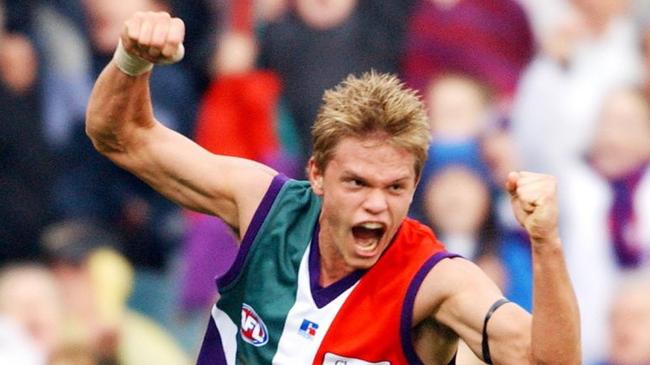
[{"x": 375, "y": 201}]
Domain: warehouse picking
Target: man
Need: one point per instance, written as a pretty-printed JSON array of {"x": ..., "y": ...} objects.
[
  {"x": 629, "y": 320},
  {"x": 335, "y": 263},
  {"x": 31, "y": 314}
]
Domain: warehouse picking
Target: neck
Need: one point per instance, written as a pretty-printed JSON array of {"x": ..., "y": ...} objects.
[{"x": 332, "y": 264}]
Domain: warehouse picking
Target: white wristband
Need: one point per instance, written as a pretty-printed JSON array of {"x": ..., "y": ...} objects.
[{"x": 131, "y": 65}]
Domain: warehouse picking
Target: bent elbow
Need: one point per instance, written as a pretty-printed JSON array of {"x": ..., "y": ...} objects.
[
  {"x": 97, "y": 137},
  {"x": 105, "y": 140}
]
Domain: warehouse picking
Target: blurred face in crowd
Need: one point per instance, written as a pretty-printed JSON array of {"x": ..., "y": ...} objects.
[
  {"x": 630, "y": 321},
  {"x": 622, "y": 139},
  {"x": 457, "y": 108},
  {"x": 456, "y": 201},
  {"x": 30, "y": 297},
  {"x": 600, "y": 10},
  {"x": 499, "y": 151},
  {"x": 367, "y": 188},
  {"x": 18, "y": 62},
  {"x": 107, "y": 17},
  {"x": 324, "y": 14}
]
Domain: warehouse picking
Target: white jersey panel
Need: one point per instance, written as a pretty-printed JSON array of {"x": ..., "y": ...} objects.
[
  {"x": 228, "y": 333},
  {"x": 306, "y": 324}
]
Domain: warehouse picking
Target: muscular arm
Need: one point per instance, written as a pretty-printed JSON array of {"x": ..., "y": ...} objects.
[
  {"x": 121, "y": 125},
  {"x": 556, "y": 322},
  {"x": 551, "y": 335}
]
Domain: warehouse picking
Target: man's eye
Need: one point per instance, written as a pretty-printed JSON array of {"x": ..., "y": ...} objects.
[
  {"x": 396, "y": 187},
  {"x": 355, "y": 182}
]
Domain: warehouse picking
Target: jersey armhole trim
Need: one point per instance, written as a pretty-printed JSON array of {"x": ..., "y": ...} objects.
[
  {"x": 251, "y": 233},
  {"x": 409, "y": 302}
]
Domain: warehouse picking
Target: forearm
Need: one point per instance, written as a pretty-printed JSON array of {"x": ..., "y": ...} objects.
[
  {"x": 118, "y": 106},
  {"x": 556, "y": 321}
]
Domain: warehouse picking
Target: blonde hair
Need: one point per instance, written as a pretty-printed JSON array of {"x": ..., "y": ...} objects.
[{"x": 374, "y": 104}]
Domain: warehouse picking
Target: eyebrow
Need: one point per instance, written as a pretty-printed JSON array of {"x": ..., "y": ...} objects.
[{"x": 347, "y": 174}]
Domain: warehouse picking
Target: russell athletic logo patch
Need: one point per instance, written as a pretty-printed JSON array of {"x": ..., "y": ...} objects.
[
  {"x": 308, "y": 329},
  {"x": 253, "y": 330}
]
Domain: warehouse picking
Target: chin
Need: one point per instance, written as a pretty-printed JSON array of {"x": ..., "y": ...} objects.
[{"x": 362, "y": 263}]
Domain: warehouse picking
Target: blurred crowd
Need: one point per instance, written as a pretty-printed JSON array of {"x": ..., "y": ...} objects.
[{"x": 96, "y": 268}]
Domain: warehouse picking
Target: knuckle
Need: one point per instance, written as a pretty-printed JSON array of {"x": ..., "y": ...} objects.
[
  {"x": 144, "y": 41},
  {"x": 178, "y": 22},
  {"x": 157, "y": 44},
  {"x": 139, "y": 14},
  {"x": 175, "y": 39}
]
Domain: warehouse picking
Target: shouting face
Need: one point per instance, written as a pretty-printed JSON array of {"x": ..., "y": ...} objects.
[{"x": 366, "y": 188}]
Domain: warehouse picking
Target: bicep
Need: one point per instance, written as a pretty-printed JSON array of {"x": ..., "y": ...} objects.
[
  {"x": 194, "y": 178},
  {"x": 464, "y": 309}
]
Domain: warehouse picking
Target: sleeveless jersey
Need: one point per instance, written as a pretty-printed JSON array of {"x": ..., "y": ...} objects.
[{"x": 272, "y": 309}]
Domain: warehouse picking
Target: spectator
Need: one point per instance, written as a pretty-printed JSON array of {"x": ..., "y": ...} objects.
[
  {"x": 459, "y": 107},
  {"x": 31, "y": 301},
  {"x": 96, "y": 281},
  {"x": 317, "y": 43},
  {"x": 593, "y": 50},
  {"x": 607, "y": 202},
  {"x": 629, "y": 321},
  {"x": 25, "y": 162},
  {"x": 457, "y": 205},
  {"x": 459, "y": 113}
]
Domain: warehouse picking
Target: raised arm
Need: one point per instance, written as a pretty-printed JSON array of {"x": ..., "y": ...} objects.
[
  {"x": 121, "y": 125},
  {"x": 552, "y": 334}
]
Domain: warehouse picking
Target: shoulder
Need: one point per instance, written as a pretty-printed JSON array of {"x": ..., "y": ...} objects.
[
  {"x": 285, "y": 202},
  {"x": 455, "y": 274},
  {"x": 452, "y": 280},
  {"x": 286, "y": 192}
]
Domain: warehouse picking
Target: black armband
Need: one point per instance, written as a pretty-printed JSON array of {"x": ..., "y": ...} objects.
[{"x": 485, "y": 346}]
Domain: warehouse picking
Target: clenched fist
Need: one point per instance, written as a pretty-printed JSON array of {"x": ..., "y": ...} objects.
[
  {"x": 149, "y": 38},
  {"x": 534, "y": 203}
]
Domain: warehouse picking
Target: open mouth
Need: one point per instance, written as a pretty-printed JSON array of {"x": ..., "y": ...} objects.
[{"x": 367, "y": 236}]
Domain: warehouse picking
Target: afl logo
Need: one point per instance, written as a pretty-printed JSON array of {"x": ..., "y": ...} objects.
[{"x": 253, "y": 330}]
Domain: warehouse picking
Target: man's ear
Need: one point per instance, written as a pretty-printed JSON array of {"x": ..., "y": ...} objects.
[{"x": 315, "y": 177}]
